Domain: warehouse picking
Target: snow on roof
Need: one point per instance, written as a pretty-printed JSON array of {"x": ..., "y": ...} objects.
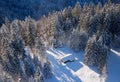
[{"x": 67, "y": 57}]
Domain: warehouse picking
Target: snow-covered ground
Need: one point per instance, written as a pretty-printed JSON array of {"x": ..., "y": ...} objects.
[
  {"x": 77, "y": 71},
  {"x": 114, "y": 66}
]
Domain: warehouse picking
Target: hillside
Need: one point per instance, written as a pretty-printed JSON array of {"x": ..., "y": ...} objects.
[
  {"x": 86, "y": 39},
  {"x": 77, "y": 71}
]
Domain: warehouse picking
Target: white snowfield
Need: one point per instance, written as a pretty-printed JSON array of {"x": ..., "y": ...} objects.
[{"x": 77, "y": 71}]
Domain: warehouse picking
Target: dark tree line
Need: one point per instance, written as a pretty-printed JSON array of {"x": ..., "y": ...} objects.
[{"x": 19, "y": 9}]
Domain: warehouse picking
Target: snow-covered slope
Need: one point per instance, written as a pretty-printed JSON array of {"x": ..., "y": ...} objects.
[
  {"x": 114, "y": 66},
  {"x": 77, "y": 71}
]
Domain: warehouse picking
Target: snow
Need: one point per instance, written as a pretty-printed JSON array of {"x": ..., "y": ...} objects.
[
  {"x": 77, "y": 71},
  {"x": 88, "y": 75},
  {"x": 114, "y": 66}
]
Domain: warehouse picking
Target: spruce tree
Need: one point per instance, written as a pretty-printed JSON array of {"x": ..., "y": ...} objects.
[
  {"x": 77, "y": 9},
  {"x": 47, "y": 70},
  {"x": 96, "y": 54}
]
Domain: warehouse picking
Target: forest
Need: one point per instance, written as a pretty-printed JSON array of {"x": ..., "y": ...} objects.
[{"x": 93, "y": 28}]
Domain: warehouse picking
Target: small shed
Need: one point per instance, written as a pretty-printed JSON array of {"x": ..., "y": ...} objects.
[{"x": 67, "y": 58}]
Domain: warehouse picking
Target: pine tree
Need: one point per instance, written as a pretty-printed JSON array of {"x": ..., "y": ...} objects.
[
  {"x": 47, "y": 70},
  {"x": 91, "y": 7},
  {"x": 78, "y": 41},
  {"x": 65, "y": 13},
  {"x": 69, "y": 12},
  {"x": 98, "y": 7},
  {"x": 116, "y": 42},
  {"x": 85, "y": 7},
  {"x": 96, "y": 54},
  {"x": 77, "y": 10},
  {"x": 30, "y": 32},
  {"x": 7, "y": 23}
]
